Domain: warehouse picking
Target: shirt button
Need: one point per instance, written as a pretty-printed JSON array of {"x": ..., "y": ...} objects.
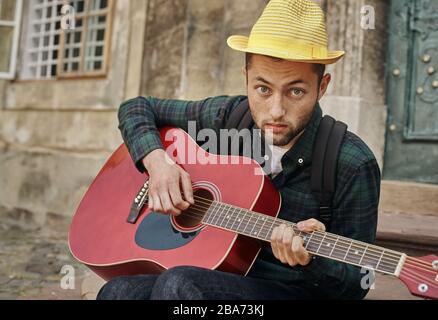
[{"x": 300, "y": 161}]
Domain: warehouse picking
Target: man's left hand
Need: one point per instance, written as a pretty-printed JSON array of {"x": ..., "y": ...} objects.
[{"x": 288, "y": 247}]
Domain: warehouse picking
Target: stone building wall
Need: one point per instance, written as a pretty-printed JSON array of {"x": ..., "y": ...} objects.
[
  {"x": 55, "y": 135},
  {"x": 189, "y": 58}
]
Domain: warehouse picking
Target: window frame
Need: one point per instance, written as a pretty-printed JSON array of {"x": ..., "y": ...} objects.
[
  {"x": 107, "y": 43},
  {"x": 16, "y": 25},
  {"x": 27, "y": 75}
]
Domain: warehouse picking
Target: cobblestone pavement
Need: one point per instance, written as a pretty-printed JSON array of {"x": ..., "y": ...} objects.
[
  {"x": 31, "y": 263},
  {"x": 31, "y": 260}
]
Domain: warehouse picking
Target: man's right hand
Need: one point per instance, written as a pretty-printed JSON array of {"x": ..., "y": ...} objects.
[{"x": 166, "y": 180}]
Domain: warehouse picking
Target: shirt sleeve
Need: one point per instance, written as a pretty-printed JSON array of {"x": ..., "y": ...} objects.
[
  {"x": 141, "y": 118},
  {"x": 355, "y": 217}
]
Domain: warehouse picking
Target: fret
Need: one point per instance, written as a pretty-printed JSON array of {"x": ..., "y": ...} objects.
[
  {"x": 269, "y": 234},
  {"x": 338, "y": 251},
  {"x": 217, "y": 215},
  {"x": 236, "y": 219},
  {"x": 248, "y": 224},
  {"x": 355, "y": 253},
  {"x": 378, "y": 262},
  {"x": 320, "y": 245},
  {"x": 264, "y": 218},
  {"x": 225, "y": 214},
  {"x": 309, "y": 245},
  {"x": 349, "y": 247},
  {"x": 230, "y": 218},
  {"x": 327, "y": 246},
  {"x": 252, "y": 233},
  {"x": 370, "y": 260},
  {"x": 211, "y": 215},
  {"x": 241, "y": 220},
  {"x": 363, "y": 255},
  {"x": 380, "y": 259},
  {"x": 389, "y": 264}
]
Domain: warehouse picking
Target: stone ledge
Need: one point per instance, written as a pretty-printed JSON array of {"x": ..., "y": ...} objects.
[
  {"x": 409, "y": 198},
  {"x": 410, "y": 233}
]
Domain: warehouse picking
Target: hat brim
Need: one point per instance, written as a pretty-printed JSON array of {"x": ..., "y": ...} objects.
[{"x": 240, "y": 43}]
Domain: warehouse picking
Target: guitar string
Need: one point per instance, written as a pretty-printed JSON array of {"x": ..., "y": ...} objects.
[
  {"x": 419, "y": 276},
  {"x": 418, "y": 263},
  {"x": 405, "y": 270},
  {"x": 326, "y": 234},
  {"x": 412, "y": 278},
  {"x": 315, "y": 242},
  {"x": 343, "y": 241},
  {"x": 368, "y": 254},
  {"x": 375, "y": 248},
  {"x": 340, "y": 242},
  {"x": 312, "y": 241},
  {"x": 418, "y": 267}
]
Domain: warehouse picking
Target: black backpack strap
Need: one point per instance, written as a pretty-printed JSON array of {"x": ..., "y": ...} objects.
[{"x": 324, "y": 164}]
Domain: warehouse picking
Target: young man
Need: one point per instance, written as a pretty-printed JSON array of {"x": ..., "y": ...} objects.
[{"x": 285, "y": 76}]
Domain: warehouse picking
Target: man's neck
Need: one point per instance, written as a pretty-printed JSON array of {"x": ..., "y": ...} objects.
[{"x": 291, "y": 144}]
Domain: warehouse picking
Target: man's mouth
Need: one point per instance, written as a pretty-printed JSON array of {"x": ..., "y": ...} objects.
[{"x": 275, "y": 127}]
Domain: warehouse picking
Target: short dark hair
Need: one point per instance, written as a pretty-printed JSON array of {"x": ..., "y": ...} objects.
[{"x": 317, "y": 67}]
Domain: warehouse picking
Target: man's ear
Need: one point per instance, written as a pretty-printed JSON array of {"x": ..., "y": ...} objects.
[
  {"x": 244, "y": 71},
  {"x": 324, "y": 85}
]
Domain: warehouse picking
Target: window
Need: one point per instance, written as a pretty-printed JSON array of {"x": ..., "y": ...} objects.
[
  {"x": 10, "y": 16},
  {"x": 52, "y": 52}
]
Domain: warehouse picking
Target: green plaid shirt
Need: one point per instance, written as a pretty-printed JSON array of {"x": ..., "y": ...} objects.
[{"x": 355, "y": 203}]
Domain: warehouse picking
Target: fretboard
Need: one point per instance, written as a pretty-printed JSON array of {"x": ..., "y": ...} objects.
[{"x": 260, "y": 226}]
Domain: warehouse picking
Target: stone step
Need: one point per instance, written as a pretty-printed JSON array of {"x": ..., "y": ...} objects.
[
  {"x": 414, "y": 234},
  {"x": 409, "y": 198}
]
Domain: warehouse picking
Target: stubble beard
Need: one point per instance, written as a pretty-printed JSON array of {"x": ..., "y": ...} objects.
[{"x": 292, "y": 134}]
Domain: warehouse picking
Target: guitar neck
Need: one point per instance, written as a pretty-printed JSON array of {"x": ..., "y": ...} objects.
[{"x": 324, "y": 244}]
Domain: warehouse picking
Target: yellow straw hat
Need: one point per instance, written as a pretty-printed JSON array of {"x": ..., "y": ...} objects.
[{"x": 292, "y": 30}]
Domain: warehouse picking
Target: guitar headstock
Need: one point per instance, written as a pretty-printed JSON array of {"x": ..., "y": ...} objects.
[{"x": 420, "y": 275}]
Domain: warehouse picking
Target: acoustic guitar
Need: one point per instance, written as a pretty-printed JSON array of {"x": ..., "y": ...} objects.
[{"x": 236, "y": 206}]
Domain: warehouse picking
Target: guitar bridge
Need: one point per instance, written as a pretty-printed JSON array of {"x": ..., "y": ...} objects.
[{"x": 138, "y": 203}]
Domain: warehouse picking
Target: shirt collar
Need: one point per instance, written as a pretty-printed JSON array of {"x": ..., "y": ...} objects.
[{"x": 301, "y": 153}]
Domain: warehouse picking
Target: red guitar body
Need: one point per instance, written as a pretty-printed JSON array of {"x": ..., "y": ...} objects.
[{"x": 101, "y": 238}]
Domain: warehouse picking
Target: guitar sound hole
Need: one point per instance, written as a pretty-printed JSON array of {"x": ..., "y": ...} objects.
[{"x": 191, "y": 219}]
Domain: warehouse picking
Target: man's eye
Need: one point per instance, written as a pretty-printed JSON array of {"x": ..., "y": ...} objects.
[
  {"x": 297, "y": 92},
  {"x": 263, "y": 90}
]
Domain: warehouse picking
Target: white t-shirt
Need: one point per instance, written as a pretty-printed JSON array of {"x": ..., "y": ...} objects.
[{"x": 277, "y": 155}]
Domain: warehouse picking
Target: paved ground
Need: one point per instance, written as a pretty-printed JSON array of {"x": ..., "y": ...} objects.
[{"x": 31, "y": 261}]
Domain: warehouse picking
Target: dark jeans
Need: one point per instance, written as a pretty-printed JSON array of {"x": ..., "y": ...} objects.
[{"x": 191, "y": 283}]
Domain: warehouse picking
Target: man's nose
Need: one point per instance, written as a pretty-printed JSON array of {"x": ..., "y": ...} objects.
[{"x": 277, "y": 110}]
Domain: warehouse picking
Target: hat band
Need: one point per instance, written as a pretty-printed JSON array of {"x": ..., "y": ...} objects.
[{"x": 287, "y": 48}]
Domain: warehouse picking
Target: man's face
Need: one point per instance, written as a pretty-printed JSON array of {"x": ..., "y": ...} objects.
[{"x": 282, "y": 97}]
